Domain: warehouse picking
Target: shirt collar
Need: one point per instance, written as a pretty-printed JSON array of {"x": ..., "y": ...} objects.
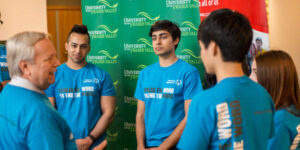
[{"x": 24, "y": 83}]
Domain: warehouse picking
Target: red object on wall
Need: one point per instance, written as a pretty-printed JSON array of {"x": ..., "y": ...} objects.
[{"x": 254, "y": 10}]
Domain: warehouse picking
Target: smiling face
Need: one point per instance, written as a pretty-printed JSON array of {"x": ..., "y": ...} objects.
[
  {"x": 163, "y": 43},
  {"x": 77, "y": 48},
  {"x": 41, "y": 70}
]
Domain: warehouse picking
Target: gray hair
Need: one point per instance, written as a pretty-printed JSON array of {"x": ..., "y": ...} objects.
[{"x": 21, "y": 47}]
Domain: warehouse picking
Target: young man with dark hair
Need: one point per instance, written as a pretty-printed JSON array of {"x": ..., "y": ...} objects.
[
  {"x": 236, "y": 113},
  {"x": 164, "y": 91},
  {"x": 83, "y": 93}
]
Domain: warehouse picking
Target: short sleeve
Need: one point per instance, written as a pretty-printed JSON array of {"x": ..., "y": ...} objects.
[
  {"x": 192, "y": 85},
  {"x": 108, "y": 88},
  {"x": 50, "y": 92},
  {"x": 139, "y": 92},
  {"x": 200, "y": 124}
]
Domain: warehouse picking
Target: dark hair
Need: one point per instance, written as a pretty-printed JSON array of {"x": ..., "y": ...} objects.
[
  {"x": 276, "y": 72},
  {"x": 171, "y": 27},
  {"x": 230, "y": 30},
  {"x": 80, "y": 29},
  {"x": 210, "y": 80}
]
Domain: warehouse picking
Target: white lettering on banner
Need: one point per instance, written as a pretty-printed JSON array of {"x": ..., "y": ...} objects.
[
  {"x": 177, "y": 2},
  {"x": 130, "y": 46},
  {"x": 205, "y": 3},
  {"x": 296, "y": 139},
  {"x": 89, "y": 8},
  {"x": 131, "y": 20},
  {"x": 224, "y": 122},
  {"x": 97, "y": 57},
  {"x": 97, "y": 32}
]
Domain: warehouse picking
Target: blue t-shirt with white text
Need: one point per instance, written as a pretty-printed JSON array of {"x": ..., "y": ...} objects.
[
  {"x": 77, "y": 96},
  {"x": 235, "y": 113},
  {"x": 164, "y": 90}
]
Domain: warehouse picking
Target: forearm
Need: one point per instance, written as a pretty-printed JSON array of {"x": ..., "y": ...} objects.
[
  {"x": 102, "y": 124},
  {"x": 140, "y": 132},
  {"x": 173, "y": 139}
]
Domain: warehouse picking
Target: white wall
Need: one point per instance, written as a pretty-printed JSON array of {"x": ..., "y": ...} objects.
[
  {"x": 22, "y": 15},
  {"x": 284, "y": 28}
]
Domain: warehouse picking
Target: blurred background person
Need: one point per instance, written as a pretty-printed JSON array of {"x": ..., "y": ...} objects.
[{"x": 275, "y": 70}]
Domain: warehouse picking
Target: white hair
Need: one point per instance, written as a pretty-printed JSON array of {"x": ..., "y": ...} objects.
[{"x": 21, "y": 47}]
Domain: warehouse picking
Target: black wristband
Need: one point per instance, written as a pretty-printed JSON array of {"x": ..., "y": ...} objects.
[
  {"x": 1, "y": 86},
  {"x": 93, "y": 138}
]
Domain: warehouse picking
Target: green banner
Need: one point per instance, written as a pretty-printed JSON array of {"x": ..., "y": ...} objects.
[{"x": 120, "y": 45}]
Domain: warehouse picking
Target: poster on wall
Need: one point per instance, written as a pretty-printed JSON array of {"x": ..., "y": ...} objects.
[
  {"x": 254, "y": 10},
  {"x": 120, "y": 45}
]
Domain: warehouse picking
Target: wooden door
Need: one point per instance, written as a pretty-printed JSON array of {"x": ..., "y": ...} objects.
[{"x": 60, "y": 21}]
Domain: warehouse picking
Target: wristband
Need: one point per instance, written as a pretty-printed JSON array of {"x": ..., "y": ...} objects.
[
  {"x": 93, "y": 138},
  {"x": 1, "y": 86}
]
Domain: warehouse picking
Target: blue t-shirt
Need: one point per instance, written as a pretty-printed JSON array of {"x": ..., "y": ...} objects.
[
  {"x": 77, "y": 95},
  {"x": 234, "y": 113},
  {"x": 28, "y": 121},
  {"x": 4, "y": 75},
  {"x": 287, "y": 130},
  {"x": 164, "y": 90}
]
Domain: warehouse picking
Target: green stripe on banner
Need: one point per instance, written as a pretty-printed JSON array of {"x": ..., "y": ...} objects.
[{"x": 120, "y": 45}]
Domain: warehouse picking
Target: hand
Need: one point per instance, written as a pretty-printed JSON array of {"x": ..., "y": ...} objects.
[
  {"x": 101, "y": 146},
  {"x": 84, "y": 144},
  {"x": 156, "y": 148},
  {"x": 141, "y": 148}
]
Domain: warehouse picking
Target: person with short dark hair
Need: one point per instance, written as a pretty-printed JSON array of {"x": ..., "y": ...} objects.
[
  {"x": 83, "y": 93},
  {"x": 27, "y": 119},
  {"x": 276, "y": 71},
  {"x": 164, "y": 91},
  {"x": 236, "y": 113}
]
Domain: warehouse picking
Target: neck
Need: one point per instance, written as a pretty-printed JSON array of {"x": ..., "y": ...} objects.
[
  {"x": 228, "y": 69},
  {"x": 166, "y": 61},
  {"x": 76, "y": 66}
]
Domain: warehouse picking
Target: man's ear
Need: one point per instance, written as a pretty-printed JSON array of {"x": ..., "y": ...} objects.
[
  {"x": 176, "y": 41},
  {"x": 24, "y": 67},
  {"x": 66, "y": 46},
  {"x": 212, "y": 48}
]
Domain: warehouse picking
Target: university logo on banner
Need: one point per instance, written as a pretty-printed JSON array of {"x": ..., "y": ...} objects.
[
  {"x": 182, "y": 4},
  {"x": 130, "y": 100},
  {"x": 130, "y": 126},
  {"x": 101, "y": 7},
  {"x": 189, "y": 56},
  {"x": 140, "y": 20},
  {"x": 187, "y": 28},
  {"x": 104, "y": 32},
  {"x": 103, "y": 57},
  {"x": 142, "y": 45},
  {"x": 133, "y": 73}
]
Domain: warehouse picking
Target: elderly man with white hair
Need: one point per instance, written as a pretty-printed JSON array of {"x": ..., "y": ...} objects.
[{"x": 27, "y": 119}]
